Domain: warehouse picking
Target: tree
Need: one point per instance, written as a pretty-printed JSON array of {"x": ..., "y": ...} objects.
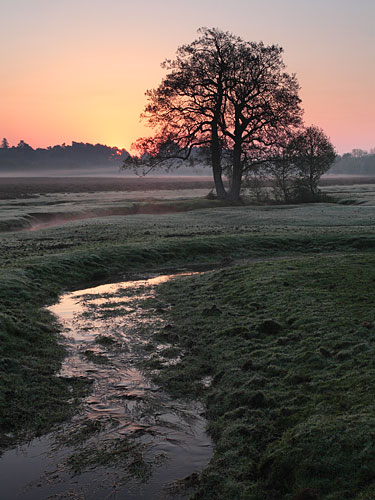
[
  {"x": 186, "y": 109},
  {"x": 359, "y": 153},
  {"x": 263, "y": 106},
  {"x": 313, "y": 154},
  {"x": 282, "y": 169},
  {"x": 298, "y": 162},
  {"x": 22, "y": 145},
  {"x": 224, "y": 96},
  {"x": 4, "y": 143}
]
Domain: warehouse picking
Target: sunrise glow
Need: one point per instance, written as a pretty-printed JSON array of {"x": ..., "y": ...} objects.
[{"x": 79, "y": 70}]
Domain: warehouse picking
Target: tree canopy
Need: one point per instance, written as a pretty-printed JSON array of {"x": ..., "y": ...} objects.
[
  {"x": 313, "y": 154},
  {"x": 225, "y": 101},
  {"x": 297, "y": 165}
]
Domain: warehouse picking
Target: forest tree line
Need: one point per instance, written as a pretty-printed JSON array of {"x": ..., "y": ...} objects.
[
  {"x": 358, "y": 162},
  {"x": 75, "y": 156},
  {"x": 83, "y": 155}
]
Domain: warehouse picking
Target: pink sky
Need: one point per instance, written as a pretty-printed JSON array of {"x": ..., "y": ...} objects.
[{"x": 78, "y": 70}]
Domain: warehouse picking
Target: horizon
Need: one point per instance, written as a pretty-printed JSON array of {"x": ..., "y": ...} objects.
[
  {"x": 80, "y": 69},
  {"x": 370, "y": 151}
]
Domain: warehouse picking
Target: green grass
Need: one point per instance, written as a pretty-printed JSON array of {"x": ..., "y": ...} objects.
[
  {"x": 290, "y": 349},
  {"x": 123, "y": 453},
  {"x": 29, "y": 213},
  {"x": 290, "y": 346},
  {"x": 37, "y": 266}
]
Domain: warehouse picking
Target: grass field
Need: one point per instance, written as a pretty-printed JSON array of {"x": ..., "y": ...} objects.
[{"x": 284, "y": 332}]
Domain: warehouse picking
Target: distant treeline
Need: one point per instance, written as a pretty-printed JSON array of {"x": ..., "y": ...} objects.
[
  {"x": 358, "y": 162},
  {"x": 76, "y": 156},
  {"x": 81, "y": 155}
]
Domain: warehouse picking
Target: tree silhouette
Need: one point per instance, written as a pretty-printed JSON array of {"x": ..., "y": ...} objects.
[
  {"x": 4, "y": 143},
  {"x": 186, "y": 109},
  {"x": 24, "y": 146},
  {"x": 313, "y": 154},
  {"x": 224, "y": 96},
  {"x": 298, "y": 162},
  {"x": 77, "y": 155},
  {"x": 283, "y": 171}
]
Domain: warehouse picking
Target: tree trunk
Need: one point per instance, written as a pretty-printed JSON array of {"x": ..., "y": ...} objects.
[
  {"x": 219, "y": 185},
  {"x": 236, "y": 175},
  {"x": 311, "y": 181},
  {"x": 216, "y": 165}
]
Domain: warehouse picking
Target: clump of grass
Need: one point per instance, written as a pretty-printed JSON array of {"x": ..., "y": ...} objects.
[
  {"x": 332, "y": 454},
  {"x": 74, "y": 435},
  {"x": 105, "y": 340},
  {"x": 95, "y": 357},
  {"x": 124, "y": 453}
]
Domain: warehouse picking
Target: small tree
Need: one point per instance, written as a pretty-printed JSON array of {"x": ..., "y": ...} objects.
[
  {"x": 282, "y": 170},
  {"x": 283, "y": 176},
  {"x": 4, "y": 143},
  {"x": 297, "y": 163},
  {"x": 256, "y": 183},
  {"x": 313, "y": 154}
]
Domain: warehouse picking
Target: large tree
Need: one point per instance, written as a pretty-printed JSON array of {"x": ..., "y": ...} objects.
[{"x": 222, "y": 96}]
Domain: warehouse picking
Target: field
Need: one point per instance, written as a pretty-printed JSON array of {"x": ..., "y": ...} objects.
[{"x": 277, "y": 340}]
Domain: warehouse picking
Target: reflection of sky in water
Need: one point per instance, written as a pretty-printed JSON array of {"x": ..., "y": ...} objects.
[
  {"x": 121, "y": 395},
  {"x": 69, "y": 304}
]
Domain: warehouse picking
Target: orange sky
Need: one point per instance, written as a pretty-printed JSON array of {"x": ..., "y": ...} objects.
[{"x": 78, "y": 70}]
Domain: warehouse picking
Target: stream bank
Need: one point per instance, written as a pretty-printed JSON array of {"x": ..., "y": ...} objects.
[{"x": 131, "y": 439}]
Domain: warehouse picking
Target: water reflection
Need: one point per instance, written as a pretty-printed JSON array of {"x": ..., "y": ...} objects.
[{"x": 105, "y": 330}]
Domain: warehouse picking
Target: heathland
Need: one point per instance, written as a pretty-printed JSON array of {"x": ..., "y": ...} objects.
[{"x": 278, "y": 341}]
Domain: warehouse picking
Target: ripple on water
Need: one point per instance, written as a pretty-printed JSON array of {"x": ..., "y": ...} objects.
[{"x": 164, "y": 438}]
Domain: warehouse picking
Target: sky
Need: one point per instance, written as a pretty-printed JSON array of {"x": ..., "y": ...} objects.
[{"x": 77, "y": 70}]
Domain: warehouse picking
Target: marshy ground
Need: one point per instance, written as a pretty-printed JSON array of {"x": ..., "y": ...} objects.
[{"x": 277, "y": 343}]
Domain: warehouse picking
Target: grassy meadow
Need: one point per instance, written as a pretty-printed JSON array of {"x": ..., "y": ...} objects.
[{"x": 278, "y": 342}]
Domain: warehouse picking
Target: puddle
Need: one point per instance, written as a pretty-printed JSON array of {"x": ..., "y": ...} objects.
[{"x": 131, "y": 438}]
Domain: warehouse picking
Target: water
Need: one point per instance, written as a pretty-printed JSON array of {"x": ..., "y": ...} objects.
[{"x": 147, "y": 438}]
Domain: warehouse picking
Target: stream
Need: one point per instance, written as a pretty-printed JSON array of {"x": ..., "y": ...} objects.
[{"x": 130, "y": 440}]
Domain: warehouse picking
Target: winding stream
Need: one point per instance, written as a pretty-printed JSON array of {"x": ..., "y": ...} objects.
[{"x": 131, "y": 439}]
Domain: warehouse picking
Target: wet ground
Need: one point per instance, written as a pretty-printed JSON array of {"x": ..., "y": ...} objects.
[{"x": 131, "y": 440}]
